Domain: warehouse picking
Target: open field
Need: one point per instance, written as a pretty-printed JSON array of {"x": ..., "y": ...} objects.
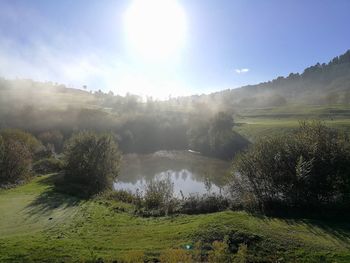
[
  {"x": 39, "y": 225},
  {"x": 255, "y": 123}
]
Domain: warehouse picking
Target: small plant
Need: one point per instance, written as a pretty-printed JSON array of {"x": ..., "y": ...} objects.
[
  {"x": 121, "y": 195},
  {"x": 220, "y": 252},
  {"x": 175, "y": 256},
  {"x": 242, "y": 254},
  {"x": 133, "y": 257}
]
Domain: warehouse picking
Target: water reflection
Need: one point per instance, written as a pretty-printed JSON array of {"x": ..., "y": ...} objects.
[{"x": 188, "y": 171}]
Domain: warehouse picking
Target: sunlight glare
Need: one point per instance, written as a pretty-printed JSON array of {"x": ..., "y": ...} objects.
[{"x": 155, "y": 29}]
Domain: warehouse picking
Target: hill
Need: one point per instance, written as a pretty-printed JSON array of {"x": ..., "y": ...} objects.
[{"x": 321, "y": 84}]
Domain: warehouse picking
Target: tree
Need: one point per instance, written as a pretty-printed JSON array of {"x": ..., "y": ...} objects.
[
  {"x": 54, "y": 138},
  {"x": 223, "y": 141},
  {"x": 216, "y": 137},
  {"x": 92, "y": 163}
]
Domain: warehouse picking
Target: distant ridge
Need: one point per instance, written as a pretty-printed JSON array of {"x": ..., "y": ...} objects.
[{"x": 326, "y": 83}]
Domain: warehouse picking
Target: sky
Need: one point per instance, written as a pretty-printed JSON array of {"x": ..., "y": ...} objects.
[{"x": 163, "y": 48}]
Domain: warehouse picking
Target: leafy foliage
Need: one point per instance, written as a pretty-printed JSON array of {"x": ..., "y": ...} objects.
[
  {"x": 16, "y": 154},
  {"x": 309, "y": 168},
  {"x": 92, "y": 163},
  {"x": 48, "y": 165},
  {"x": 25, "y": 138},
  {"x": 54, "y": 138},
  {"x": 216, "y": 137}
]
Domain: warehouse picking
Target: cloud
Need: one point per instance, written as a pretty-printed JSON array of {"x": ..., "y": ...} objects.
[{"x": 242, "y": 70}]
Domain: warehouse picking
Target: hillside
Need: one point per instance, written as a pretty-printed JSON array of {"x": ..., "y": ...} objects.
[
  {"x": 321, "y": 92},
  {"x": 326, "y": 83}
]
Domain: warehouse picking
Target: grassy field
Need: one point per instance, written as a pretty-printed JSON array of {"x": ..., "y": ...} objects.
[
  {"x": 255, "y": 123},
  {"x": 38, "y": 224}
]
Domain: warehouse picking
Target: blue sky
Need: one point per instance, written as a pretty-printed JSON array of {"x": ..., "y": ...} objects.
[{"x": 227, "y": 43}]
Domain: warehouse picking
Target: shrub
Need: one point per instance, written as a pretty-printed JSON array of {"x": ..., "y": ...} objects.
[
  {"x": 25, "y": 138},
  {"x": 242, "y": 254},
  {"x": 208, "y": 203},
  {"x": 175, "y": 256},
  {"x": 54, "y": 138},
  {"x": 15, "y": 162},
  {"x": 307, "y": 169},
  {"x": 17, "y": 149},
  {"x": 91, "y": 163},
  {"x": 48, "y": 165},
  {"x": 158, "y": 195},
  {"x": 220, "y": 252},
  {"x": 121, "y": 195}
]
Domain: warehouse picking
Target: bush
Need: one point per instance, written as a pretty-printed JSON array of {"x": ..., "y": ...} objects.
[
  {"x": 309, "y": 169},
  {"x": 220, "y": 252},
  {"x": 48, "y": 165},
  {"x": 91, "y": 163},
  {"x": 54, "y": 138},
  {"x": 159, "y": 196},
  {"x": 25, "y": 138},
  {"x": 208, "y": 203},
  {"x": 15, "y": 157},
  {"x": 175, "y": 256},
  {"x": 121, "y": 195}
]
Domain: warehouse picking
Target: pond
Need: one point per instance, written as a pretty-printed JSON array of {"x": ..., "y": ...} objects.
[{"x": 189, "y": 172}]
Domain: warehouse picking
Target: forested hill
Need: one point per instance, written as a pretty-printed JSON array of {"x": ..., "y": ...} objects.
[{"x": 319, "y": 84}]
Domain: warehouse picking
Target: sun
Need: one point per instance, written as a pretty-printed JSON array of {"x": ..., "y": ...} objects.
[{"x": 155, "y": 29}]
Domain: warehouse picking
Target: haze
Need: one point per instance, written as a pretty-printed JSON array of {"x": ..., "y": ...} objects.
[{"x": 173, "y": 47}]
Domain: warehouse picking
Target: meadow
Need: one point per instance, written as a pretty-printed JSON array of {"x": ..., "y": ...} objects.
[
  {"x": 38, "y": 224},
  {"x": 255, "y": 123}
]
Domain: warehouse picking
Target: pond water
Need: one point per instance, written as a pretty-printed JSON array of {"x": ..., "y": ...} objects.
[{"x": 189, "y": 172}]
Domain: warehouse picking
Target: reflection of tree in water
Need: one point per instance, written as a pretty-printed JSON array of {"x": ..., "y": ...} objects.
[{"x": 182, "y": 164}]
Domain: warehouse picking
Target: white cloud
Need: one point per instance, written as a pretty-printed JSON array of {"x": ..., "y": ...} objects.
[{"x": 242, "y": 70}]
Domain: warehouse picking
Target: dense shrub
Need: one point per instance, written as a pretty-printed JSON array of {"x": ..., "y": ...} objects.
[
  {"x": 25, "y": 138},
  {"x": 157, "y": 199},
  {"x": 91, "y": 163},
  {"x": 16, "y": 153},
  {"x": 307, "y": 169},
  {"x": 54, "y": 138},
  {"x": 158, "y": 193},
  {"x": 121, "y": 195},
  {"x": 48, "y": 165},
  {"x": 200, "y": 204},
  {"x": 220, "y": 252}
]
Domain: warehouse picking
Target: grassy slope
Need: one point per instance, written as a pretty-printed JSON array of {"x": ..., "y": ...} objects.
[
  {"x": 255, "y": 123},
  {"x": 83, "y": 230}
]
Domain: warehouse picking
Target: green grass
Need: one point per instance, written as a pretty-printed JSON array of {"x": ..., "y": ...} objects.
[
  {"x": 256, "y": 123},
  {"x": 84, "y": 230}
]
